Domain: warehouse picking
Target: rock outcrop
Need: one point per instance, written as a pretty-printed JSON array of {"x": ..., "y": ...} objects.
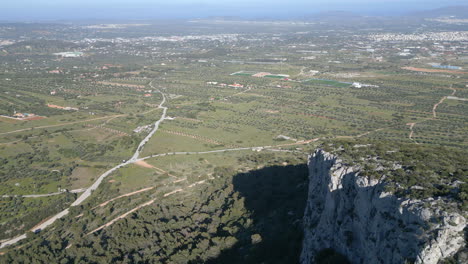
[{"x": 354, "y": 216}]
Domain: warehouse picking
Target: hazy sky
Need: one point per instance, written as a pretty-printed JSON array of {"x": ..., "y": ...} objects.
[{"x": 154, "y": 9}]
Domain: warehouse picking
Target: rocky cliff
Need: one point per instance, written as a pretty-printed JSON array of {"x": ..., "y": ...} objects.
[{"x": 354, "y": 216}]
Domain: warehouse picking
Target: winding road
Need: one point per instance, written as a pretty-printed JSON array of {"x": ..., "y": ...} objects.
[
  {"x": 434, "y": 108},
  {"x": 434, "y": 113},
  {"x": 96, "y": 184}
]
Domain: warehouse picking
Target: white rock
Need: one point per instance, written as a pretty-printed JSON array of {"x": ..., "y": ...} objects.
[{"x": 354, "y": 216}]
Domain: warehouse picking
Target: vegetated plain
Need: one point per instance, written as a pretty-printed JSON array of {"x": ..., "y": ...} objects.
[{"x": 209, "y": 205}]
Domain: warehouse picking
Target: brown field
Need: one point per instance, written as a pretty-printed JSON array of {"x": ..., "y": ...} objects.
[
  {"x": 432, "y": 70},
  {"x": 55, "y": 106},
  {"x": 34, "y": 118},
  {"x": 144, "y": 164}
]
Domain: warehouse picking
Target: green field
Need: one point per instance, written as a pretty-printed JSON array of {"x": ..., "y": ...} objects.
[
  {"x": 327, "y": 82},
  {"x": 275, "y": 76},
  {"x": 243, "y": 74}
]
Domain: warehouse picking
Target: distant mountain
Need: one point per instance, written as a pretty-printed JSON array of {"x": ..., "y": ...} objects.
[
  {"x": 333, "y": 15},
  {"x": 457, "y": 11},
  {"x": 226, "y": 18}
]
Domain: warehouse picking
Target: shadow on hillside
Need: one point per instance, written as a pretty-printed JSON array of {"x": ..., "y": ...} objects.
[
  {"x": 365, "y": 233},
  {"x": 276, "y": 196}
]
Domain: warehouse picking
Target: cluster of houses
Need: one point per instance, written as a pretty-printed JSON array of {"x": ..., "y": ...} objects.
[
  {"x": 69, "y": 54},
  {"x": 23, "y": 115},
  {"x": 360, "y": 85},
  {"x": 234, "y": 85},
  {"x": 147, "y": 93}
]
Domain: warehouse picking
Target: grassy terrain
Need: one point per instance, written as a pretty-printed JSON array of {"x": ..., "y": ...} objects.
[{"x": 327, "y": 82}]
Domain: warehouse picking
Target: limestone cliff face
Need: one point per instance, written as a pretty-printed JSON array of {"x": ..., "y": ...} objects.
[{"x": 355, "y": 216}]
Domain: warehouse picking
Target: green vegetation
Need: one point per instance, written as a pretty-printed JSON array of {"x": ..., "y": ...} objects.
[
  {"x": 329, "y": 256},
  {"x": 21, "y": 214},
  {"x": 410, "y": 170},
  {"x": 327, "y": 82},
  {"x": 235, "y": 218},
  {"x": 223, "y": 207}
]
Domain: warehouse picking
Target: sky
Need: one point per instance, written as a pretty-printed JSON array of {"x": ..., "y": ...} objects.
[{"x": 182, "y": 9}]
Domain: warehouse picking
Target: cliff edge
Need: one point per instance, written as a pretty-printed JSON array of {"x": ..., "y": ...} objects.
[{"x": 354, "y": 215}]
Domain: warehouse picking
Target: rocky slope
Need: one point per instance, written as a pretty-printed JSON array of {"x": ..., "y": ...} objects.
[{"x": 354, "y": 216}]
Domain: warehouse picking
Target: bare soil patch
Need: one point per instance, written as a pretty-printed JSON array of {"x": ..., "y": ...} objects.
[{"x": 144, "y": 164}]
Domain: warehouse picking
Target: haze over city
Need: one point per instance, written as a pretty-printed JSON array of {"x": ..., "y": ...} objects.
[{"x": 182, "y": 9}]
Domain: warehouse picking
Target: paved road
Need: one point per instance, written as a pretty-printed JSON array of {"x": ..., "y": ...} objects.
[
  {"x": 148, "y": 137},
  {"x": 270, "y": 148},
  {"x": 195, "y": 152},
  {"x": 134, "y": 158},
  {"x": 96, "y": 184}
]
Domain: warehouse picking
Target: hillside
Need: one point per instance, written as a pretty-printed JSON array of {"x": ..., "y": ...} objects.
[
  {"x": 456, "y": 11},
  {"x": 235, "y": 219}
]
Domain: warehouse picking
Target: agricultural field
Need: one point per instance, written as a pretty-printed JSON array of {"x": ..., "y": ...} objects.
[
  {"x": 178, "y": 132},
  {"x": 327, "y": 82}
]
